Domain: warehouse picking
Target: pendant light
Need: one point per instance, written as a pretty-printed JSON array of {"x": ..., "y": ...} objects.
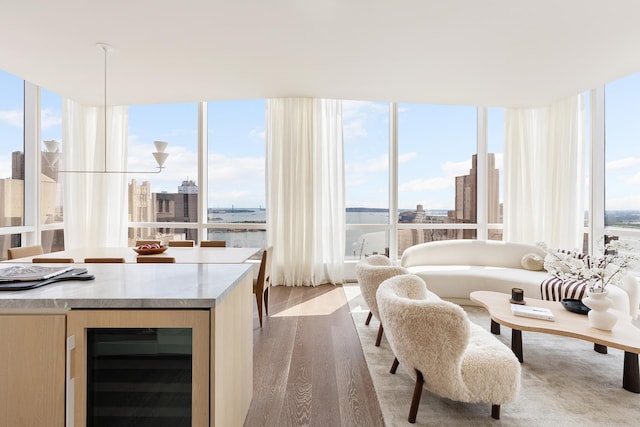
[{"x": 52, "y": 153}]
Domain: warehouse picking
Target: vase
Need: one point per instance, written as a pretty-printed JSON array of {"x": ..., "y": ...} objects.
[{"x": 600, "y": 317}]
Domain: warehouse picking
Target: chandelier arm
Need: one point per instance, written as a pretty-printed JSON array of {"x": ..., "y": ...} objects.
[{"x": 160, "y": 155}]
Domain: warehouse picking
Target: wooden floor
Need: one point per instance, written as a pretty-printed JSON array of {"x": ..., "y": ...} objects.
[{"x": 309, "y": 369}]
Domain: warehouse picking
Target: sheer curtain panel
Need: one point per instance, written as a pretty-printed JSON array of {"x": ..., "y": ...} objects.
[
  {"x": 95, "y": 204},
  {"x": 305, "y": 190},
  {"x": 544, "y": 197}
]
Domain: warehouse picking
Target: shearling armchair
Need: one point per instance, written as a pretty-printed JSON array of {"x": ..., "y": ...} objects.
[
  {"x": 371, "y": 272},
  {"x": 447, "y": 353}
]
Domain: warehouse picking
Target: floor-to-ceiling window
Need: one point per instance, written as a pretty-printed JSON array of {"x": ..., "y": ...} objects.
[
  {"x": 51, "y": 201},
  {"x": 12, "y": 160},
  {"x": 622, "y": 159},
  {"x": 236, "y": 210},
  {"x": 169, "y": 197},
  {"x": 437, "y": 173},
  {"x": 495, "y": 149},
  {"x": 366, "y": 164}
]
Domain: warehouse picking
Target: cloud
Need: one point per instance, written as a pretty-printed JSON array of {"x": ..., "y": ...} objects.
[
  {"x": 49, "y": 118},
  {"x": 356, "y": 113},
  {"x": 5, "y": 167},
  {"x": 258, "y": 133},
  {"x": 378, "y": 164},
  {"x": 623, "y": 203},
  {"x": 403, "y": 158},
  {"x": 625, "y": 163},
  {"x": 354, "y": 128},
  {"x": 12, "y": 118},
  {"x": 453, "y": 169},
  {"x": 634, "y": 180},
  {"x": 438, "y": 183}
]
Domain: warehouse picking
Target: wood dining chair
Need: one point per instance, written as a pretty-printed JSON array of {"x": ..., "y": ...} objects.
[
  {"x": 53, "y": 260},
  {"x": 104, "y": 260},
  {"x": 182, "y": 243},
  {"x": 25, "y": 251},
  {"x": 152, "y": 259},
  {"x": 262, "y": 282},
  {"x": 213, "y": 244},
  {"x": 148, "y": 242}
]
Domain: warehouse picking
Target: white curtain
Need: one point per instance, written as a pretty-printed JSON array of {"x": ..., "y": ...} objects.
[
  {"x": 305, "y": 191},
  {"x": 95, "y": 204},
  {"x": 544, "y": 174}
]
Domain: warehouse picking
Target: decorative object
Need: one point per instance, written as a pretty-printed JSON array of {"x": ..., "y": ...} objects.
[
  {"x": 575, "y": 305},
  {"x": 600, "y": 316},
  {"x": 52, "y": 153},
  {"x": 598, "y": 272},
  {"x": 150, "y": 249},
  {"x": 517, "y": 296}
]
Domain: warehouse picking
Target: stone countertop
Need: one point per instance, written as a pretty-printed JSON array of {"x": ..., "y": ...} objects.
[{"x": 133, "y": 286}]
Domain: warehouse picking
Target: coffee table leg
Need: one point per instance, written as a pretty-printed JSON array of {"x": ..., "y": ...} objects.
[
  {"x": 495, "y": 327},
  {"x": 599, "y": 348},
  {"x": 630, "y": 376},
  {"x": 516, "y": 343}
]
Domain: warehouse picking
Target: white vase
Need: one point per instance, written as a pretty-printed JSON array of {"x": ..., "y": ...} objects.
[{"x": 600, "y": 317}]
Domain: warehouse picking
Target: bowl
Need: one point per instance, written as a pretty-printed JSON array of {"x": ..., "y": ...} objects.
[
  {"x": 151, "y": 251},
  {"x": 575, "y": 306}
]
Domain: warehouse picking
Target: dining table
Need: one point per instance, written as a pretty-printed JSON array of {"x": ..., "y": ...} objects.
[{"x": 182, "y": 255}]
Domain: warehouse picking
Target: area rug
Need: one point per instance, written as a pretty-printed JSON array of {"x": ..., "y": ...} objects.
[{"x": 564, "y": 382}]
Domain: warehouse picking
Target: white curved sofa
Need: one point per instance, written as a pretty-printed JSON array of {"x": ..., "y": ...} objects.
[{"x": 453, "y": 269}]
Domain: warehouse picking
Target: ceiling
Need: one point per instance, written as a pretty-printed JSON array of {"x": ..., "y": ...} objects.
[{"x": 478, "y": 52}]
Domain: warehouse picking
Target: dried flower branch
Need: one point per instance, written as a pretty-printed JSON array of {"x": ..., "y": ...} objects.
[{"x": 617, "y": 258}]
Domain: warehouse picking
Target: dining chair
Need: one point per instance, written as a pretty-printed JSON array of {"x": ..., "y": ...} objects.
[
  {"x": 262, "y": 282},
  {"x": 104, "y": 260},
  {"x": 148, "y": 242},
  {"x": 213, "y": 244},
  {"x": 152, "y": 259},
  {"x": 53, "y": 260},
  {"x": 182, "y": 243},
  {"x": 13, "y": 253}
]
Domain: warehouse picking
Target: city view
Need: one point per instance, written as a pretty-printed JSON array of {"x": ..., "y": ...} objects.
[{"x": 435, "y": 169}]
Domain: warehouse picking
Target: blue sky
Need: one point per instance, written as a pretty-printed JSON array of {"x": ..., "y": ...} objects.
[{"x": 435, "y": 145}]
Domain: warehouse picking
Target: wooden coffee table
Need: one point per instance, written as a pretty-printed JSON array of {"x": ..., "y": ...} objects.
[{"x": 624, "y": 336}]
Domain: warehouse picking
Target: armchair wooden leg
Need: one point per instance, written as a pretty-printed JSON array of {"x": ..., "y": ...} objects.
[
  {"x": 266, "y": 301},
  {"x": 368, "y": 319},
  {"x": 394, "y": 367},
  {"x": 379, "y": 338},
  {"x": 259, "y": 302},
  {"x": 495, "y": 412},
  {"x": 417, "y": 392}
]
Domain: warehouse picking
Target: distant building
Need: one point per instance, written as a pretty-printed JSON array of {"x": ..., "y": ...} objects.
[
  {"x": 12, "y": 205},
  {"x": 188, "y": 187},
  {"x": 466, "y": 210},
  {"x": 145, "y": 206}
]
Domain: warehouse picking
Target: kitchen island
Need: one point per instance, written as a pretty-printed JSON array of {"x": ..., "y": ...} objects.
[{"x": 44, "y": 378}]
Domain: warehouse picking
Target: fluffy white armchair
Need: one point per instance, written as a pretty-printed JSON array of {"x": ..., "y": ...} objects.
[
  {"x": 370, "y": 272},
  {"x": 446, "y": 352}
]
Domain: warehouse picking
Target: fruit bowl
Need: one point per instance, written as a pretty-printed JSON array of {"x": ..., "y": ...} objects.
[{"x": 150, "y": 249}]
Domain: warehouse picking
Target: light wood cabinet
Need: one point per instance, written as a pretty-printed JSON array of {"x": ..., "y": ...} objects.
[
  {"x": 43, "y": 357},
  {"x": 138, "y": 364},
  {"x": 32, "y": 366}
]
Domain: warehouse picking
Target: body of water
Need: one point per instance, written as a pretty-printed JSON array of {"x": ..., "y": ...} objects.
[{"x": 358, "y": 243}]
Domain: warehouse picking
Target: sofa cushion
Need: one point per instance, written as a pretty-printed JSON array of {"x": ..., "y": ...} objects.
[{"x": 533, "y": 262}]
